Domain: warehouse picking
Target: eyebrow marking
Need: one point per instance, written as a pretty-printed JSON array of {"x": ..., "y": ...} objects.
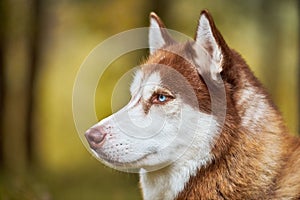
[{"x": 137, "y": 81}]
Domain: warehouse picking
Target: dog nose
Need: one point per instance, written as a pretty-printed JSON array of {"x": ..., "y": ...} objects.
[{"x": 95, "y": 137}]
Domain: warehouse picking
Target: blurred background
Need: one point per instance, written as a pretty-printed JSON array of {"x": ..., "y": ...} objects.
[{"x": 42, "y": 45}]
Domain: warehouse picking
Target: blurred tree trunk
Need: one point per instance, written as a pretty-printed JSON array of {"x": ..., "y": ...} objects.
[
  {"x": 298, "y": 69},
  {"x": 23, "y": 50},
  {"x": 34, "y": 55},
  {"x": 12, "y": 133},
  {"x": 2, "y": 80}
]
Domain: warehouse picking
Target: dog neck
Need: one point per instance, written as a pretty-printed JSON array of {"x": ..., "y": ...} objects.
[
  {"x": 167, "y": 183},
  {"x": 230, "y": 163}
]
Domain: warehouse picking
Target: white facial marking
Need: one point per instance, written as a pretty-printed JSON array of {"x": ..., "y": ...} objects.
[
  {"x": 151, "y": 85},
  {"x": 171, "y": 180},
  {"x": 137, "y": 82},
  {"x": 172, "y": 137}
]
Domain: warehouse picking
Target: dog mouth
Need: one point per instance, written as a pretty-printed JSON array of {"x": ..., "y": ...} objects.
[{"x": 121, "y": 164}]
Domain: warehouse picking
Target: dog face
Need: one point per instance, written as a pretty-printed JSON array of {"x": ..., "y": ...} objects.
[{"x": 169, "y": 115}]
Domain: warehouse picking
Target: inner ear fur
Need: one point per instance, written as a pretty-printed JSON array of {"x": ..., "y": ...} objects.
[
  {"x": 208, "y": 37},
  {"x": 158, "y": 34}
]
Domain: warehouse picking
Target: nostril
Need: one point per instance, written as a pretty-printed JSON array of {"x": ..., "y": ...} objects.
[{"x": 94, "y": 136}]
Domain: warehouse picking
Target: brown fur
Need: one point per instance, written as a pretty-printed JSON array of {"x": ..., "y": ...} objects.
[{"x": 259, "y": 160}]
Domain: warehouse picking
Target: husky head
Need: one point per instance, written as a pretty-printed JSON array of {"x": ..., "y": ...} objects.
[{"x": 169, "y": 117}]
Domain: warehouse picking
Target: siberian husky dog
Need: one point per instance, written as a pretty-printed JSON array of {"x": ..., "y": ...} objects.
[{"x": 199, "y": 125}]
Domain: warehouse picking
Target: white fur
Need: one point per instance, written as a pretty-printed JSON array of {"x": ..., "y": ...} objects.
[
  {"x": 169, "y": 144},
  {"x": 137, "y": 82},
  {"x": 206, "y": 40},
  {"x": 254, "y": 107},
  {"x": 156, "y": 39},
  {"x": 151, "y": 85},
  {"x": 168, "y": 182}
]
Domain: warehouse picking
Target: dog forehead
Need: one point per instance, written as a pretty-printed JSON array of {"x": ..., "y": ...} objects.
[
  {"x": 151, "y": 84},
  {"x": 145, "y": 81},
  {"x": 179, "y": 74},
  {"x": 175, "y": 67},
  {"x": 167, "y": 76}
]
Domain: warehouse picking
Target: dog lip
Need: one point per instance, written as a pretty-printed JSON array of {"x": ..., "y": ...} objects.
[{"x": 128, "y": 164}]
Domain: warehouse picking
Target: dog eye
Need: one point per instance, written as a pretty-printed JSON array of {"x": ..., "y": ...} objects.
[{"x": 161, "y": 98}]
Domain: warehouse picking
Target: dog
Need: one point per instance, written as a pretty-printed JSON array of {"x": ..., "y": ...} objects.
[{"x": 199, "y": 124}]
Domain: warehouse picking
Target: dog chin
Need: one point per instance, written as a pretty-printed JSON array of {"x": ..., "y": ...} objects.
[
  {"x": 148, "y": 162},
  {"x": 119, "y": 162}
]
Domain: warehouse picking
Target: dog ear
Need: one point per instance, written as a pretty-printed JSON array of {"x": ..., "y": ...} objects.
[
  {"x": 158, "y": 35},
  {"x": 209, "y": 38}
]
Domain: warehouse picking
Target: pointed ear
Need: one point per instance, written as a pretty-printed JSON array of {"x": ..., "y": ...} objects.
[
  {"x": 209, "y": 38},
  {"x": 158, "y": 35}
]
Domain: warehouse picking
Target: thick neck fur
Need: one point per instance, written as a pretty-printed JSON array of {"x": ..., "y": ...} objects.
[
  {"x": 167, "y": 183},
  {"x": 252, "y": 150}
]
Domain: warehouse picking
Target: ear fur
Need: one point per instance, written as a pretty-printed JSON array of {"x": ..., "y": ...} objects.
[
  {"x": 209, "y": 38},
  {"x": 158, "y": 35}
]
